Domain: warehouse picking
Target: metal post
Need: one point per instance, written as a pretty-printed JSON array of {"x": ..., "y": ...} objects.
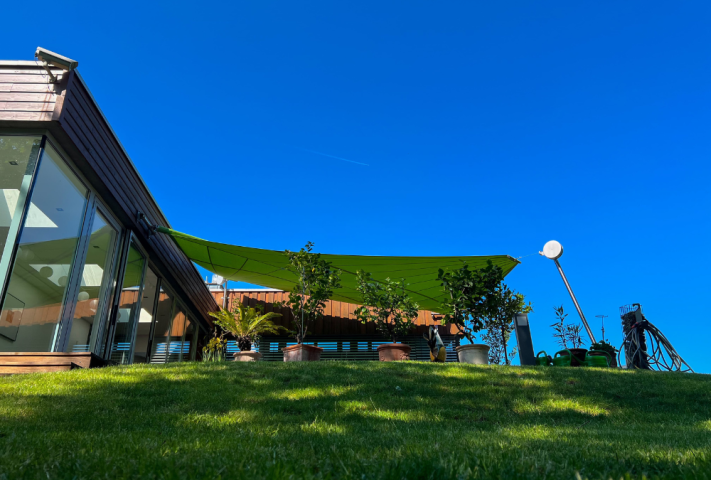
[
  {"x": 575, "y": 301},
  {"x": 224, "y": 296}
]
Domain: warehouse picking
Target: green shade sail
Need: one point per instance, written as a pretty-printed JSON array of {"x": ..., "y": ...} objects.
[{"x": 268, "y": 268}]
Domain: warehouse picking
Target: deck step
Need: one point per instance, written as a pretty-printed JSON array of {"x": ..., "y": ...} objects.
[
  {"x": 18, "y": 368},
  {"x": 83, "y": 359}
]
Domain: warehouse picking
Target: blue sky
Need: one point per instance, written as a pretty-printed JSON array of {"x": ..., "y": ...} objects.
[{"x": 485, "y": 127}]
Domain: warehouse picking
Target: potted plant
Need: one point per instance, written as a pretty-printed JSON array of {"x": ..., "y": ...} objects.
[
  {"x": 469, "y": 300},
  {"x": 246, "y": 324},
  {"x": 606, "y": 349},
  {"x": 569, "y": 335},
  {"x": 388, "y": 305},
  {"x": 500, "y": 323},
  {"x": 316, "y": 281}
]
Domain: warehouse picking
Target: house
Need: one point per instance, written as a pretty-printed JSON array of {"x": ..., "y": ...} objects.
[{"x": 82, "y": 279}]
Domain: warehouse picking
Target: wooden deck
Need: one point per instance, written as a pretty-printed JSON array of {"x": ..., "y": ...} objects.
[{"x": 35, "y": 362}]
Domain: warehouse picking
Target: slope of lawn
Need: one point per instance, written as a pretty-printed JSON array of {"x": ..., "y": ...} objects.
[{"x": 358, "y": 420}]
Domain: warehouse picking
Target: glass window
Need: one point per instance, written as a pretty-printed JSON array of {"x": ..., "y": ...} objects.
[
  {"x": 128, "y": 305},
  {"x": 95, "y": 282},
  {"x": 145, "y": 317},
  {"x": 189, "y": 340},
  {"x": 161, "y": 331},
  {"x": 177, "y": 333},
  {"x": 18, "y": 157},
  {"x": 46, "y": 249}
]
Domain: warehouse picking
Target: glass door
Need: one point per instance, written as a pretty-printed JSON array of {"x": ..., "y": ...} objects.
[
  {"x": 129, "y": 302},
  {"x": 145, "y": 318},
  {"x": 18, "y": 159},
  {"x": 161, "y": 330},
  {"x": 45, "y": 257},
  {"x": 177, "y": 333},
  {"x": 91, "y": 299}
]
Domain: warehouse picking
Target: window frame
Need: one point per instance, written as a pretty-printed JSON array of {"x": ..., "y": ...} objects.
[
  {"x": 129, "y": 239},
  {"x": 17, "y": 224}
]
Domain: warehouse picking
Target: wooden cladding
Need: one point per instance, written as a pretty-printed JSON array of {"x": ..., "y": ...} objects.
[
  {"x": 338, "y": 319},
  {"x": 28, "y": 93}
]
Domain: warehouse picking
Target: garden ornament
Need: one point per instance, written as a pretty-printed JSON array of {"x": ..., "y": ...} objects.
[{"x": 437, "y": 351}]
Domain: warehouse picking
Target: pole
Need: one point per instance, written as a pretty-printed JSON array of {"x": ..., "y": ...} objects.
[
  {"x": 602, "y": 317},
  {"x": 575, "y": 301},
  {"x": 224, "y": 296}
]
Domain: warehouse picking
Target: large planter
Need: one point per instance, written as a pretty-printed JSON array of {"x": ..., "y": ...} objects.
[
  {"x": 302, "y": 353},
  {"x": 473, "y": 354},
  {"x": 393, "y": 352},
  {"x": 248, "y": 356}
]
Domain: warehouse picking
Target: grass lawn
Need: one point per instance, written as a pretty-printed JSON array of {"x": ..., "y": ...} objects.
[{"x": 357, "y": 420}]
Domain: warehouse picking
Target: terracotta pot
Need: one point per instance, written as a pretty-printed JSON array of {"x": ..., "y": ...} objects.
[
  {"x": 302, "y": 353},
  {"x": 247, "y": 356},
  {"x": 578, "y": 359},
  {"x": 393, "y": 352},
  {"x": 474, "y": 354}
]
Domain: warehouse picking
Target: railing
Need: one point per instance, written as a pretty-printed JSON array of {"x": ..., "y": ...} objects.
[
  {"x": 171, "y": 352},
  {"x": 340, "y": 347}
]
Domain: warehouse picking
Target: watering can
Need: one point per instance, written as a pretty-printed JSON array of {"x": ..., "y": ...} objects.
[
  {"x": 545, "y": 360},
  {"x": 597, "y": 360},
  {"x": 562, "y": 359}
]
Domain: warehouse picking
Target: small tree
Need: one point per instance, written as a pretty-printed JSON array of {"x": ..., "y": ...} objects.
[
  {"x": 560, "y": 331},
  {"x": 565, "y": 333},
  {"x": 316, "y": 281},
  {"x": 469, "y": 296},
  {"x": 500, "y": 323},
  {"x": 246, "y": 324},
  {"x": 387, "y": 304},
  {"x": 573, "y": 334}
]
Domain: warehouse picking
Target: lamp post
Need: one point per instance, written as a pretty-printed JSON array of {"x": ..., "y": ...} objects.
[{"x": 554, "y": 250}]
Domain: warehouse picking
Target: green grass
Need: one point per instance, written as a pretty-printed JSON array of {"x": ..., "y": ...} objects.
[{"x": 350, "y": 420}]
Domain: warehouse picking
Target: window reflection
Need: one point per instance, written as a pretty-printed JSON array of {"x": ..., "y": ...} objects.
[
  {"x": 95, "y": 281},
  {"x": 177, "y": 331},
  {"x": 161, "y": 332},
  {"x": 45, "y": 255},
  {"x": 126, "y": 317},
  {"x": 188, "y": 349},
  {"x": 18, "y": 157},
  {"x": 145, "y": 317}
]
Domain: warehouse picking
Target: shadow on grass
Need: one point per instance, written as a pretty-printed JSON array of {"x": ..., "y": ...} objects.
[{"x": 340, "y": 419}]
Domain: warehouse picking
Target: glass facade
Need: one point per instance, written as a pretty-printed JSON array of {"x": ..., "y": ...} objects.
[
  {"x": 145, "y": 317},
  {"x": 129, "y": 303},
  {"x": 18, "y": 158},
  {"x": 161, "y": 331},
  {"x": 48, "y": 240},
  {"x": 95, "y": 282},
  {"x": 177, "y": 332},
  {"x": 71, "y": 278}
]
